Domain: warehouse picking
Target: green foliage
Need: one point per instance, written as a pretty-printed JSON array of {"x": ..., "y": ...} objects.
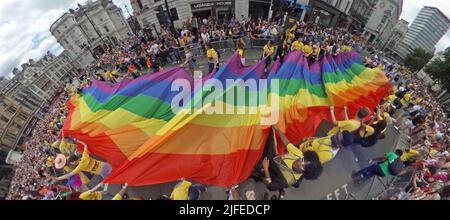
[
  {"x": 417, "y": 59},
  {"x": 440, "y": 70}
]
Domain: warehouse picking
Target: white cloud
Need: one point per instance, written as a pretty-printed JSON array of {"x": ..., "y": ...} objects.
[
  {"x": 412, "y": 7},
  {"x": 21, "y": 21}
]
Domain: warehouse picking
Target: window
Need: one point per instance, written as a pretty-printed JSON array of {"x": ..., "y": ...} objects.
[
  {"x": 12, "y": 109},
  {"x": 4, "y": 119}
]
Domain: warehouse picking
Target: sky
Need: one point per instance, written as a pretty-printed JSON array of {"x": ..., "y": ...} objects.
[{"x": 24, "y": 27}]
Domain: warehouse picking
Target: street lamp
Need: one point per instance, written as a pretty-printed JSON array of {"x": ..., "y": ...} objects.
[{"x": 95, "y": 29}]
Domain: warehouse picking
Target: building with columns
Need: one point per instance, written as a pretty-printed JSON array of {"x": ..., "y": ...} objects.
[
  {"x": 360, "y": 12},
  {"x": 382, "y": 21},
  {"x": 16, "y": 123},
  {"x": 397, "y": 36},
  {"x": 88, "y": 30},
  {"x": 146, "y": 15},
  {"x": 330, "y": 13},
  {"x": 27, "y": 92}
]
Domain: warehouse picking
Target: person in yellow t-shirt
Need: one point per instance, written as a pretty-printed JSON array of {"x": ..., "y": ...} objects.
[
  {"x": 93, "y": 194},
  {"x": 185, "y": 190},
  {"x": 410, "y": 156},
  {"x": 328, "y": 147},
  {"x": 370, "y": 134},
  {"x": 346, "y": 48},
  {"x": 297, "y": 45},
  {"x": 121, "y": 193},
  {"x": 308, "y": 49},
  {"x": 406, "y": 98},
  {"x": 290, "y": 34},
  {"x": 213, "y": 58},
  {"x": 269, "y": 50},
  {"x": 349, "y": 125},
  {"x": 86, "y": 164},
  {"x": 240, "y": 50},
  {"x": 283, "y": 171}
]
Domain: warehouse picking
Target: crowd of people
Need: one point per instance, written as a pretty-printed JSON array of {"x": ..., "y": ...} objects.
[
  {"x": 426, "y": 125},
  {"x": 56, "y": 167}
]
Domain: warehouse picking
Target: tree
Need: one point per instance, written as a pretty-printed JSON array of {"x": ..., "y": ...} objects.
[
  {"x": 417, "y": 59},
  {"x": 440, "y": 70}
]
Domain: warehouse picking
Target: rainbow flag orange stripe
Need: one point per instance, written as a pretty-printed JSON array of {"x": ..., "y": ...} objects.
[{"x": 132, "y": 126}]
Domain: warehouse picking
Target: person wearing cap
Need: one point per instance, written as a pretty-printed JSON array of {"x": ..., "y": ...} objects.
[
  {"x": 79, "y": 180},
  {"x": 328, "y": 147},
  {"x": 350, "y": 125},
  {"x": 86, "y": 164}
]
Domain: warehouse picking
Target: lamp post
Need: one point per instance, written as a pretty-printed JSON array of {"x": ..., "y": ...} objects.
[{"x": 95, "y": 29}]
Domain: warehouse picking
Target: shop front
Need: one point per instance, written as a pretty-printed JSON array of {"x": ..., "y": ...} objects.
[
  {"x": 324, "y": 14},
  {"x": 218, "y": 9},
  {"x": 259, "y": 9}
]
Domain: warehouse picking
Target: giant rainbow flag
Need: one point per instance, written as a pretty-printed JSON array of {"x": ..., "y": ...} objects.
[{"x": 132, "y": 126}]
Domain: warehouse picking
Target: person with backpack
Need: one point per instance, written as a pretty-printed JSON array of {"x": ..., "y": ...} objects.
[{"x": 389, "y": 165}]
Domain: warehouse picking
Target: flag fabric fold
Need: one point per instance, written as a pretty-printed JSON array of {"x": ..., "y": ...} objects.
[{"x": 132, "y": 124}]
